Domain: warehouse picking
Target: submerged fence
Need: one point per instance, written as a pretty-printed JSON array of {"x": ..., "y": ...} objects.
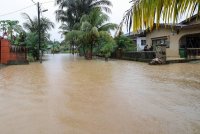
[
  {"x": 144, "y": 56},
  {"x": 139, "y": 56}
]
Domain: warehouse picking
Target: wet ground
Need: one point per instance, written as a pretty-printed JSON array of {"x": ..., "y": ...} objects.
[{"x": 69, "y": 95}]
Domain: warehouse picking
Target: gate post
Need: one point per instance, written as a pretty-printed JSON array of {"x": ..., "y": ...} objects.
[{"x": 161, "y": 53}]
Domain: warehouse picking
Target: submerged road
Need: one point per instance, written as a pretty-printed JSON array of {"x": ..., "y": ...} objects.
[{"x": 69, "y": 95}]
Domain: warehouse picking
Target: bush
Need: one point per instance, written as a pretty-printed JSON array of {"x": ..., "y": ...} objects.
[
  {"x": 30, "y": 58},
  {"x": 106, "y": 44},
  {"x": 125, "y": 43}
]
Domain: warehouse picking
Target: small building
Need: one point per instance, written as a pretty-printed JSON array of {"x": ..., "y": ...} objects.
[
  {"x": 139, "y": 39},
  {"x": 183, "y": 37}
]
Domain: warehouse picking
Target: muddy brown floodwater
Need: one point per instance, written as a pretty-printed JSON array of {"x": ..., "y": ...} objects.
[{"x": 69, "y": 95}]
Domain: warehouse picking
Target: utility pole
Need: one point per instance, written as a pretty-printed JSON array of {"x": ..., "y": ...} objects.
[
  {"x": 39, "y": 34},
  {"x": 39, "y": 30}
]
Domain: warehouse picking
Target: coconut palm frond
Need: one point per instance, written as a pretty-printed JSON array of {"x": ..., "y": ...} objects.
[
  {"x": 108, "y": 27},
  {"x": 144, "y": 14}
]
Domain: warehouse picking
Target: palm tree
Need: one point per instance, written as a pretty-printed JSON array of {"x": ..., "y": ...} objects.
[
  {"x": 90, "y": 26},
  {"x": 144, "y": 13},
  {"x": 31, "y": 25},
  {"x": 71, "y": 11}
]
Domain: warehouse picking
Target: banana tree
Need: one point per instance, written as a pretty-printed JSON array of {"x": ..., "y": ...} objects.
[
  {"x": 3, "y": 27},
  {"x": 8, "y": 27},
  {"x": 13, "y": 26}
]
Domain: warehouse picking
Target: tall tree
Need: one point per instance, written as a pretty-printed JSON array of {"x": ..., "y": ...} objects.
[
  {"x": 90, "y": 27},
  {"x": 31, "y": 25},
  {"x": 71, "y": 11}
]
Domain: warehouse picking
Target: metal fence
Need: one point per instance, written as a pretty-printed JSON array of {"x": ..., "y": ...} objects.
[{"x": 193, "y": 52}]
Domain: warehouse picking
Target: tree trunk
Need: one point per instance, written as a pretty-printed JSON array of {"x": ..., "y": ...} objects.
[
  {"x": 73, "y": 49},
  {"x": 84, "y": 52},
  {"x": 106, "y": 58},
  {"x": 70, "y": 48},
  {"x": 89, "y": 53}
]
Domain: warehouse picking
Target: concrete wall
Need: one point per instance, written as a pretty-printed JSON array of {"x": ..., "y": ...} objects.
[{"x": 173, "y": 50}]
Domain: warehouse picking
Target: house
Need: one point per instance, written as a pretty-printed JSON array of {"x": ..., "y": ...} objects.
[
  {"x": 139, "y": 39},
  {"x": 183, "y": 37}
]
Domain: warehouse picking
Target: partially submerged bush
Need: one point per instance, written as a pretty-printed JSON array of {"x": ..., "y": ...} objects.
[{"x": 107, "y": 44}]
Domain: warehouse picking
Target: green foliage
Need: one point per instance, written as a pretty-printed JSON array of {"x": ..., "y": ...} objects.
[
  {"x": 31, "y": 25},
  {"x": 65, "y": 47},
  {"x": 125, "y": 43},
  {"x": 55, "y": 46},
  {"x": 82, "y": 23},
  {"x": 107, "y": 44},
  {"x": 90, "y": 28},
  {"x": 70, "y": 12},
  {"x": 3, "y": 26},
  {"x": 31, "y": 42},
  {"x": 56, "y": 49},
  {"x": 11, "y": 28},
  {"x": 143, "y": 14},
  {"x": 30, "y": 58},
  {"x": 19, "y": 40}
]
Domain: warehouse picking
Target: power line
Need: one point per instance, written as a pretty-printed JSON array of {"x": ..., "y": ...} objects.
[
  {"x": 33, "y": 1},
  {"x": 42, "y": 2},
  {"x": 16, "y": 11},
  {"x": 47, "y": 2},
  {"x": 13, "y": 12}
]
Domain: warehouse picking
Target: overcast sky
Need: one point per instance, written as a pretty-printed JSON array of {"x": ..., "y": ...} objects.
[{"x": 8, "y": 6}]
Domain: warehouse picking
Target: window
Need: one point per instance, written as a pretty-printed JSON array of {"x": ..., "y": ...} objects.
[
  {"x": 160, "y": 41},
  {"x": 143, "y": 42}
]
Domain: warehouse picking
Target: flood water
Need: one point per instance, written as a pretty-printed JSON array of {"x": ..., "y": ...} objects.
[{"x": 69, "y": 95}]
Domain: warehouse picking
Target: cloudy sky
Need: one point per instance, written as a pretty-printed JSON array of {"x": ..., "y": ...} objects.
[{"x": 12, "y": 10}]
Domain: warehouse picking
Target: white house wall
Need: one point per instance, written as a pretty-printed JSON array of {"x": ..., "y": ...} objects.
[{"x": 139, "y": 43}]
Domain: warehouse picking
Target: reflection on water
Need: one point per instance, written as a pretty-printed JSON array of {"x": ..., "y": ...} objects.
[{"x": 69, "y": 95}]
